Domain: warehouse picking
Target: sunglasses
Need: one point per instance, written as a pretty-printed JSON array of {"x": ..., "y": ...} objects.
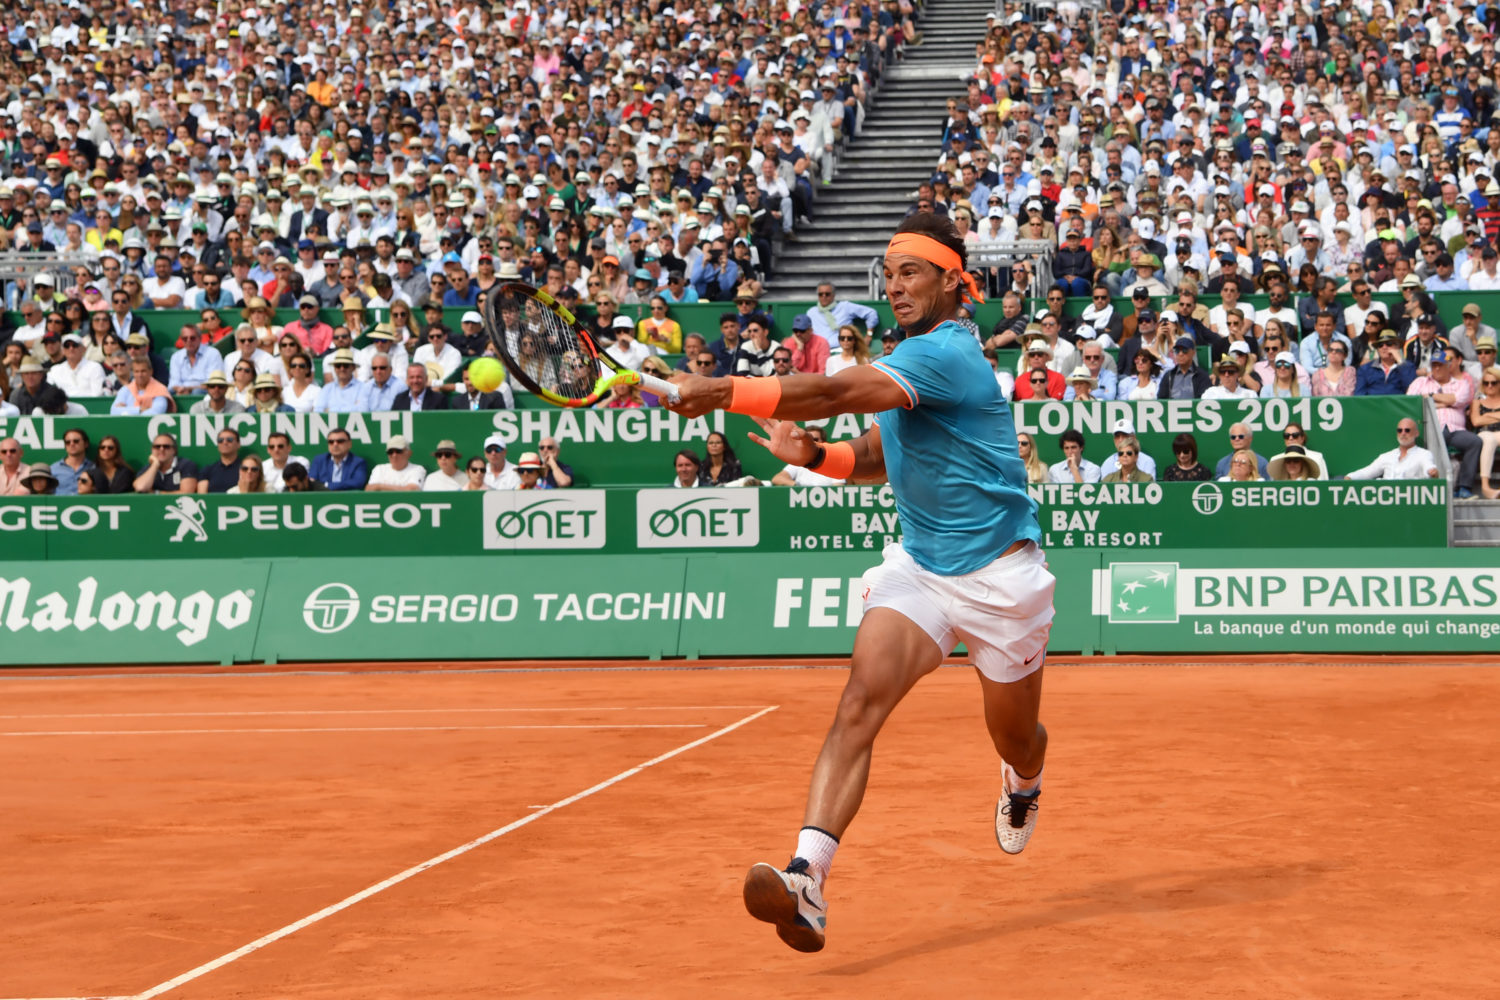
[
  {"x": 1238, "y": 437},
  {"x": 1125, "y": 454},
  {"x": 476, "y": 468},
  {"x": 249, "y": 468},
  {"x": 162, "y": 447},
  {"x": 299, "y": 364},
  {"x": 342, "y": 440},
  {"x": 1293, "y": 435}
]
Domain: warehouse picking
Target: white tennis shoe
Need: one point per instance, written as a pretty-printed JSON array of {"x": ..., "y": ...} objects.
[
  {"x": 1015, "y": 817},
  {"x": 791, "y": 899}
]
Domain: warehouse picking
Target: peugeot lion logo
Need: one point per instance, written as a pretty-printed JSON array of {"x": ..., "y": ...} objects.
[{"x": 331, "y": 608}]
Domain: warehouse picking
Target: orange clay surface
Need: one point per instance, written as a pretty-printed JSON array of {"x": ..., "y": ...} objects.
[{"x": 1269, "y": 830}]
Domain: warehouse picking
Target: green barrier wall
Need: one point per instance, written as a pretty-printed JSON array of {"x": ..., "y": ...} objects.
[
  {"x": 1205, "y": 601},
  {"x": 636, "y": 447},
  {"x": 733, "y": 522}
]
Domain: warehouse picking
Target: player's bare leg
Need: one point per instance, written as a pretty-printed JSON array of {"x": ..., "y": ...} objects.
[
  {"x": 1011, "y": 716},
  {"x": 891, "y": 653}
]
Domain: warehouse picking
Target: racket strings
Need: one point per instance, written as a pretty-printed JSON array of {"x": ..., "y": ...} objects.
[{"x": 542, "y": 347}]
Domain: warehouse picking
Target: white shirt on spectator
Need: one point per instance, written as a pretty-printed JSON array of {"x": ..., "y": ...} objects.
[
  {"x": 85, "y": 380},
  {"x": 506, "y": 479},
  {"x": 631, "y": 357},
  {"x": 303, "y": 403},
  {"x": 1417, "y": 463},
  {"x": 156, "y": 288},
  {"x": 385, "y": 474},
  {"x": 275, "y": 478},
  {"x": 449, "y": 359},
  {"x": 265, "y": 363},
  {"x": 1219, "y": 392},
  {"x": 1060, "y": 473},
  {"x": 438, "y": 481},
  {"x": 802, "y": 477}
]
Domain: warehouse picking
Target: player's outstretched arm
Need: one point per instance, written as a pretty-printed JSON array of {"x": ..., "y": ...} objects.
[{"x": 803, "y": 397}]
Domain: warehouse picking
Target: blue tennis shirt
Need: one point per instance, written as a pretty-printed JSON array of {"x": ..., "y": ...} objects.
[{"x": 951, "y": 455}]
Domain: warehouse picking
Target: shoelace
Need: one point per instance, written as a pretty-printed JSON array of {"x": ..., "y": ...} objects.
[
  {"x": 1018, "y": 807},
  {"x": 799, "y": 866}
]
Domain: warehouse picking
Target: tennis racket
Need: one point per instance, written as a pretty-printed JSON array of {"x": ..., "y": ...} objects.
[{"x": 544, "y": 348}]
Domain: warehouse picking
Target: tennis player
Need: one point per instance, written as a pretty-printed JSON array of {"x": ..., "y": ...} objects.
[{"x": 968, "y": 568}]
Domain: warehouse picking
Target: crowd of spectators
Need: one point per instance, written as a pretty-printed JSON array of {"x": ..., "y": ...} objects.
[
  {"x": 381, "y": 163},
  {"x": 240, "y": 470}
]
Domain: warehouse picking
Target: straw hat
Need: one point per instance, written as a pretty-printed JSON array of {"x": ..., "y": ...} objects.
[
  {"x": 1082, "y": 374},
  {"x": 1276, "y": 465}
]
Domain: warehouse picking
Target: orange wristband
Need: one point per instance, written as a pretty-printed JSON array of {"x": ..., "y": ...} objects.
[
  {"x": 837, "y": 461},
  {"x": 754, "y": 397}
]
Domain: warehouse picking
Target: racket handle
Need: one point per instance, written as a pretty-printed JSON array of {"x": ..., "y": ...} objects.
[{"x": 660, "y": 387}]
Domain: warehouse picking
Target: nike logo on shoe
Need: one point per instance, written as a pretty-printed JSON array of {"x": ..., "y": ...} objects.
[{"x": 810, "y": 901}]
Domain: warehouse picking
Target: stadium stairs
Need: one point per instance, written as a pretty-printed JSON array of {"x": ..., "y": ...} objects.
[
  {"x": 1476, "y": 523},
  {"x": 897, "y": 149}
]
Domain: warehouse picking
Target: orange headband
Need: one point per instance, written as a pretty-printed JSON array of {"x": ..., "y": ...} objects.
[{"x": 934, "y": 252}]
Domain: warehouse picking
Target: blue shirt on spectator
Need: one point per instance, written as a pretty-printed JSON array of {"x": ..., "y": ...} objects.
[
  {"x": 1108, "y": 384},
  {"x": 379, "y": 398},
  {"x": 184, "y": 372},
  {"x": 351, "y": 398},
  {"x": 1373, "y": 380},
  {"x": 67, "y": 476},
  {"x": 351, "y": 474},
  {"x": 452, "y": 299}
]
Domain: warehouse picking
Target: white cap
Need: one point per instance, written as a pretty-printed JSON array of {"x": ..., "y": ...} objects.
[
  {"x": 471, "y": 317},
  {"x": 494, "y": 440},
  {"x": 1123, "y": 426}
]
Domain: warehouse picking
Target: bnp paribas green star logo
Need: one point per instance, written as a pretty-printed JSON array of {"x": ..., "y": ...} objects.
[{"x": 1142, "y": 593}]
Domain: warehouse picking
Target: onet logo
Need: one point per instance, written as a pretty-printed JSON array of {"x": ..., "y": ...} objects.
[
  {"x": 572, "y": 520},
  {"x": 721, "y": 518},
  {"x": 331, "y": 608},
  {"x": 1207, "y": 499}
]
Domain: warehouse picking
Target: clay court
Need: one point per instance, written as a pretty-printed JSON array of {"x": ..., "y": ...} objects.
[{"x": 1319, "y": 829}]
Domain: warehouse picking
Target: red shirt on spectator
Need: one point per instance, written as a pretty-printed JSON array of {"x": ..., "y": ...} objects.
[
  {"x": 1056, "y": 386},
  {"x": 811, "y": 357},
  {"x": 314, "y": 339}
]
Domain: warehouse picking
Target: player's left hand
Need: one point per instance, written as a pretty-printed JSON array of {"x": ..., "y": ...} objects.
[
  {"x": 786, "y": 440},
  {"x": 698, "y": 394}
]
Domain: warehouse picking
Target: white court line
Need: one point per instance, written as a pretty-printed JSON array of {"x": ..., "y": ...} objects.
[
  {"x": 373, "y": 711},
  {"x": 344, "y": 904},
  {"x": 341, "y": 729}
]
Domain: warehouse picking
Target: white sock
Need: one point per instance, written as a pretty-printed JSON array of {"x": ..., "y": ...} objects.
[
  {"x": 1015, "y": 783},
  {"x": 816, "y": 847}
]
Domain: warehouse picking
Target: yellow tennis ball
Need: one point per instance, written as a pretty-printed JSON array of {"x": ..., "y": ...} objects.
[{"x": 486, "y": 374}]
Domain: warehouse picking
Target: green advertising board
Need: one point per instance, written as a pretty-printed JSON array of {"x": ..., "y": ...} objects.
[
  {"x": 636, "y": 447},
  {"x": 117, "y": 612},
  {"x": 482, "y": 608},
  {"x": 856, "y": 519},
  {"x": 1195, "y": 601},
  {"x": 1375, "y": 601}
]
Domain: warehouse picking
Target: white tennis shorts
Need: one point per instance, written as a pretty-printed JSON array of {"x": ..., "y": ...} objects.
[{"x": 1002, "y": 613}]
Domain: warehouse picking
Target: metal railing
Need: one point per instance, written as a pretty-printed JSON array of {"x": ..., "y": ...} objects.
[
  {"x": 1432, "y": 440},
  {"x": 19, "y": 270},
  {"x": 990, "y": 262}
]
